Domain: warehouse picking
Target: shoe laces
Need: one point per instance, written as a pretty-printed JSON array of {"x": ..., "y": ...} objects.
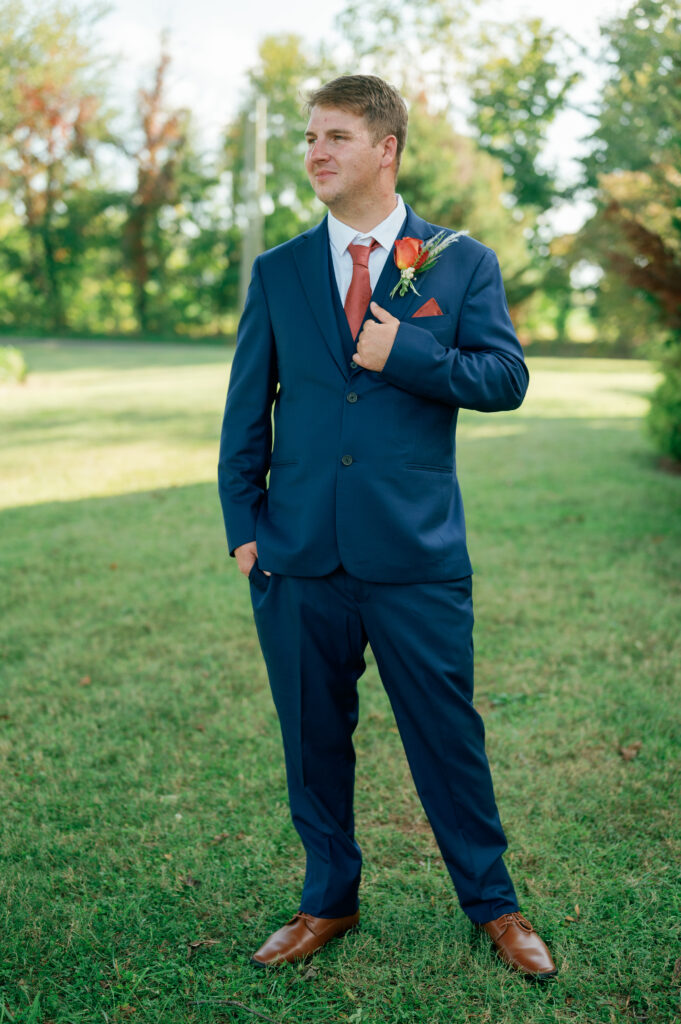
[
  {"x": 303, "y": 917},
  {"x": 517, "y": 918}
]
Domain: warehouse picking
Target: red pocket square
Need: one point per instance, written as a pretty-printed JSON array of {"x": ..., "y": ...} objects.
[{"x": 429, "y": 308}]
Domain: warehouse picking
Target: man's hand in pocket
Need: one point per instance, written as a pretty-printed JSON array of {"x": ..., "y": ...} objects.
[{"x": 246, "y": 555}]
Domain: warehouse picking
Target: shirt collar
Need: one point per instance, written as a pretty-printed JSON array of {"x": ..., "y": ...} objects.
[{"x": 342, "y": 235}]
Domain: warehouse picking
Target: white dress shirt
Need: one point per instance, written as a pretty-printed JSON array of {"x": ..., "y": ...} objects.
[{"x": 342, "y": 235}]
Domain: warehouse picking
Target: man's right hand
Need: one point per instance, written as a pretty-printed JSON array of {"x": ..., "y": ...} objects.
[{"x": 246, "y": 555}]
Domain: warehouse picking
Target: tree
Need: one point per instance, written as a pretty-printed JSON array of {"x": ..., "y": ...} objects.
[
  {"x": 521, "y": 81},
  {"x": 634, "y": 169},
  {"x": 52, "y": 116},
  {"x": 635, "y": 157},
  {"x": 640, "y": 108},
  {"x": 167, "y": 174}
]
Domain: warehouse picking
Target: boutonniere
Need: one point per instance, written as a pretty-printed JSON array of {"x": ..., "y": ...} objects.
[{"x": 414, "y": 256}]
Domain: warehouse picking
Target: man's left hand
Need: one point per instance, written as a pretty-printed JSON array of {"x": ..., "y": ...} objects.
[{"x": 376, "y": 339}]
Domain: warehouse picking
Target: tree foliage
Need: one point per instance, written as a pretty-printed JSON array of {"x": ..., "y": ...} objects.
[
  {"x": 636, "y": 231},
  {"x": 521, "y": 82},
  {"x": 635, "y": 169},
  {"x": 640, "y": 106},
  {"x": 167, "y": 174},
  {"x": 52, "y": 115}
]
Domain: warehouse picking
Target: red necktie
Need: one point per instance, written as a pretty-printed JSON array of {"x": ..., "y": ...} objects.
[{"x": 359, "y": 292}]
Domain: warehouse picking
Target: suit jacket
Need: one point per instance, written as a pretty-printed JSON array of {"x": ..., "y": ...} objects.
[{"x": 361, "y": 463}]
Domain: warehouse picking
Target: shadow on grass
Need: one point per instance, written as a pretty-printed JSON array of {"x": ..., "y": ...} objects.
[{"x": 600, "y": 469}]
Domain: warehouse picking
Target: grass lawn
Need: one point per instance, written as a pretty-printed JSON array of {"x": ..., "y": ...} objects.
[{"x": 146, "y": 846}]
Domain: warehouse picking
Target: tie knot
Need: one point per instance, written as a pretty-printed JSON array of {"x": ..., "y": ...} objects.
[{"x": 360, "y": 253}]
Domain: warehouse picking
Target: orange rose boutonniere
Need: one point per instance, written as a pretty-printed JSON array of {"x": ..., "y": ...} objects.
[{"x": 414, "y": 256}]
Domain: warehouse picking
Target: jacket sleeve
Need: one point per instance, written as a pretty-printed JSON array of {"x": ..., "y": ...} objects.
[
  {"x": 246, "y": 437},
  {"x": 485, "y": 370}
]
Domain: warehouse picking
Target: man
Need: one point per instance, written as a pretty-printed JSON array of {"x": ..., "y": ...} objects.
[{"x": 360, "y": 536}]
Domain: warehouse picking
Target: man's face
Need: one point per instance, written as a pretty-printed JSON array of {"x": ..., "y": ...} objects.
[{"x": 340, "y": 161}]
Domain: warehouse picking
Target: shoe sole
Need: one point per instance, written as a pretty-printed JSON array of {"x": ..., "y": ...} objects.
[
  {"x": 540, "y": 978},
  {"x": 306, "y": 956},
  {"x": 528, "y": 975}
]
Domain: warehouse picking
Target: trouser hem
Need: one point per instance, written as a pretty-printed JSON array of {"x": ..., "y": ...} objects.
[
  {"x": 485, "y": 912},
  {"x": 334, "y": 912}
]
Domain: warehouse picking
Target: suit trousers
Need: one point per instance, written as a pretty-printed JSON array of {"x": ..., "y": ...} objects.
[{"x": 313, "y": 632}]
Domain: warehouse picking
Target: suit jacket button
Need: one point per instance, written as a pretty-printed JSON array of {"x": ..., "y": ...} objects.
[
  {"x": 346, "y": 460},
  {"x": 353, "y": 364},
  {"x": 351, "y": 397}
]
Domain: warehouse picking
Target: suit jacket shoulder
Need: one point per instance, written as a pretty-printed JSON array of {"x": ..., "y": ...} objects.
[
  {"x": 285, "y": 249},
  {"x": 470, "y": 248}
]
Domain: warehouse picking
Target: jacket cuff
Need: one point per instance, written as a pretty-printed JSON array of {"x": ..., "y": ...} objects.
[{"x": 413, "y": 349}]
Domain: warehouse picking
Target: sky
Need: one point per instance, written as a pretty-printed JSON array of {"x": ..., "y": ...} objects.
[{"x": 214, "y": 44}]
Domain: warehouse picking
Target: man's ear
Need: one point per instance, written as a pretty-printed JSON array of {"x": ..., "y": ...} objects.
[{"x": 389, "y": 144}]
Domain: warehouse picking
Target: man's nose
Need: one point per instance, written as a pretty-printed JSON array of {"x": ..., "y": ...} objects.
[{"x": 317, "y": 152}]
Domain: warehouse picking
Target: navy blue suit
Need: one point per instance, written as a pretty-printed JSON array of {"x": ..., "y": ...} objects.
[{"x": 362, "y": 529}]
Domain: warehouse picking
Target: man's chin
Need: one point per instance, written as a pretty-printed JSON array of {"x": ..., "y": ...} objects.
[{"x": 325, "y": 190}]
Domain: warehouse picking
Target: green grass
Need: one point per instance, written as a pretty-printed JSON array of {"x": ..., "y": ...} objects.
[{"x": 136, "y": 724}]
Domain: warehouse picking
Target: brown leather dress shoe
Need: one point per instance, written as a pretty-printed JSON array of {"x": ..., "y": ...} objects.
[
  {"x": 519, "y": 946},
  {"x": 301, "y": 936}
]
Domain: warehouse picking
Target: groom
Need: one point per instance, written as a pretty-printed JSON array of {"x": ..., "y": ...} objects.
[{"x": 359, "y": 536}]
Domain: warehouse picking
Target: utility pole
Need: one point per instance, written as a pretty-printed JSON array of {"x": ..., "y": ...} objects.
[{"x": 255, "y": 145}]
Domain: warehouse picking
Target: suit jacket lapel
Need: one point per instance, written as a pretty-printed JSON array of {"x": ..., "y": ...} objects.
[
  {"x": 312, "y": 259},
  {"x": 401, "y": 306}
]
